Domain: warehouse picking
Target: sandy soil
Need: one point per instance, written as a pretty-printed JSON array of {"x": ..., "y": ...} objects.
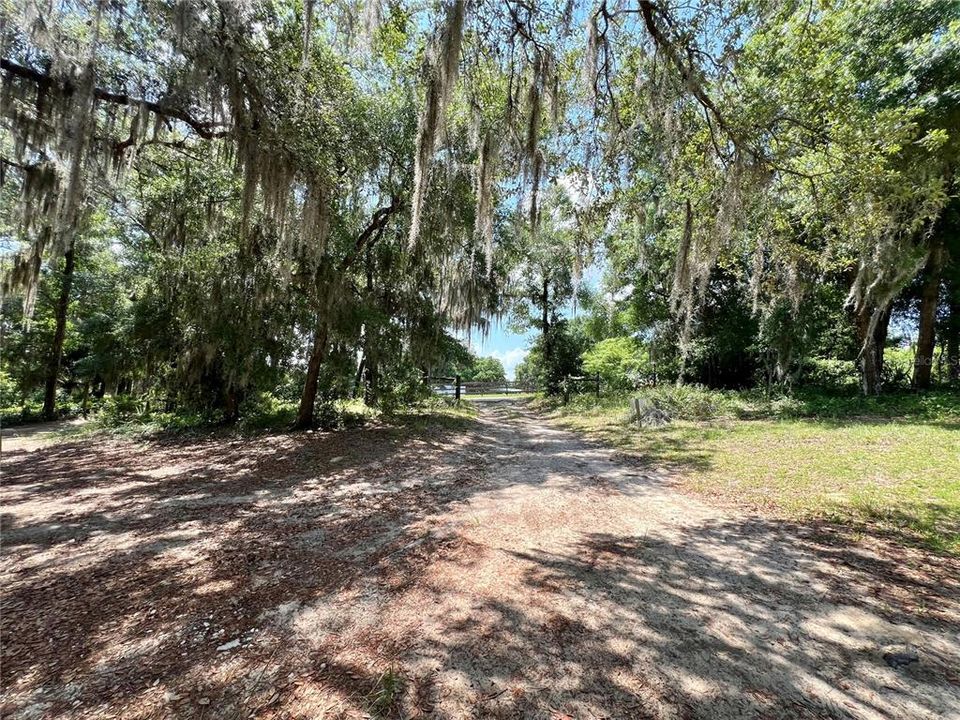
[
  {"x": 499, "y": 569},
  {"x": 35, "y": 435}
]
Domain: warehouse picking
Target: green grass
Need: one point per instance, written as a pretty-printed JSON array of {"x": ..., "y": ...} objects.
[
  {"x": 384, "y": 699},
  {"x": 435, "y": 413},
  {"x": 894, "y": 472},
  {"x": 275, "y": 416},
  {"x": 500, "y": 396}
]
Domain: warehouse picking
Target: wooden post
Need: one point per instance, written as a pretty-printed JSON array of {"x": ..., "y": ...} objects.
[
  {"x": 457, "y": 396},
  {"x": 566, "y": 389},
  {"x": 598, "y": 386}
]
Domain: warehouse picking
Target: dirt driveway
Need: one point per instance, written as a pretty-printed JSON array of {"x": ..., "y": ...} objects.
[{"x": 498, "y": 568}]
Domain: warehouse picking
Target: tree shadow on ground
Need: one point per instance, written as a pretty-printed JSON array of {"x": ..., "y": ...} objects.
[
  {"x": 128, "y": 565},
  {"x": 743, "y": 618}
]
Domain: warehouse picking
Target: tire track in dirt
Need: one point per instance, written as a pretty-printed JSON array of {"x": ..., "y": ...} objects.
[
  {"x": 499, "y": 568},
  {"x": 587, "y": 586}
]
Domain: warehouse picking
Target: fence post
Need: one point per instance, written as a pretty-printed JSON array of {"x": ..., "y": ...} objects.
[
  {"x": 598, "y": 386},
  {"x": 566, "y": 389},
  {"x": 457, "y": 396}
]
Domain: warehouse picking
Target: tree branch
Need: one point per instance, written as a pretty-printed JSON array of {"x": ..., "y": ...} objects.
[
  {"x": 372, "y": 232},
  {"x": 206, "y": 130},
  {"x": 648, "y": 9}
]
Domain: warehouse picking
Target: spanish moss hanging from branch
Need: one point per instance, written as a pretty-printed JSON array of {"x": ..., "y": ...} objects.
[
  {"x": 485, "y": 201},
  {"x": 441, "y": 67}
]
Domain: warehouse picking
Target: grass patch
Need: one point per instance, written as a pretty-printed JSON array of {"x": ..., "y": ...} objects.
[
  {"x": 274, "y": 416},
  {"x": 384, "y": 699},
  {"x": 895, "y": 471},
  {"x": 691, "y": 402},
  {"x": 435, "y": 412},
  {"x": 500, "y": 396}
]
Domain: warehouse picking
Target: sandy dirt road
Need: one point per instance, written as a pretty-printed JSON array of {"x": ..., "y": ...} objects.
[{"x": 501, "y": 568}]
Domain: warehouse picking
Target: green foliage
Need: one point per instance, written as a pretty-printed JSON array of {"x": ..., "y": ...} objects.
[
  {"x": 264, "y": 412},
  {"x": 485, "y": 369},
  {"x": 831, "y": 374},
  {"x": 756, "y": 212},
  {"x": 9, "y": 390},
  {"x": 528, "y": 370},
  {"x": 456, "y": 359},
  {"x": 567, "y": 346},
  {"x": 619, "y": 360},
  {"x": 696, "y": 403},
  {"x": 122, "y": 407},
  {"x": 21, "y": 414},
  {"x": 406, "y": 389}
]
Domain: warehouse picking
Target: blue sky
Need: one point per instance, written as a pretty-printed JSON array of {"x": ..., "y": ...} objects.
[
  {"x": 502, "y": 343},
  {"x": 511, "y": 347}
]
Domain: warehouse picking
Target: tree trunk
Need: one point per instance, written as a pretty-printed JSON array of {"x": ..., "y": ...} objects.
[
  {"x": 880, "y": 333},
  {"x": 871, "y": 346},
  {"x": 926, "y": 335},
  {"x": 359, "y": 376},
  {"x": 871, "y": 373},
  {"x": 953, "y": 332},
  {"x": 370, "y": 375},
  {"x": 652, "y": 352},
  {"x": 59, "y": 334},
  {"x": 85, "y": 403},
  {"x": 550, "y": 380},
  {"x": 309, "y": 397},
  {"x": 370, "y": 390},
  {"x": 545, "y": 319},
  {"x": 231, "y": 406}
]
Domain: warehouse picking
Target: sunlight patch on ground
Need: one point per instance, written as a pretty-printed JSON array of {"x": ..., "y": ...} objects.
[{"x": 899, "y": 476}]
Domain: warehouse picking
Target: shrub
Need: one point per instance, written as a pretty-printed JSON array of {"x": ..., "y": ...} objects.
[
  {"x": 620, "y": 362},
  {"x": 694, "y": 402},
  {"x": 898, "y": 368},
  {"x": 119, "y": 409},
  {"x": 402, "y": 391},
  {"x": 697, "y": 403},
  {"x": 9, "y": 392},
  {"x": 831, "y": 374},
  {"x": 21, "y": 414},
  {"x": 267, "y": 410}
]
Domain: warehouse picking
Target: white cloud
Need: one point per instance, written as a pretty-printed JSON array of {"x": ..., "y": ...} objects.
[{"x": 510, "y": 359}]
